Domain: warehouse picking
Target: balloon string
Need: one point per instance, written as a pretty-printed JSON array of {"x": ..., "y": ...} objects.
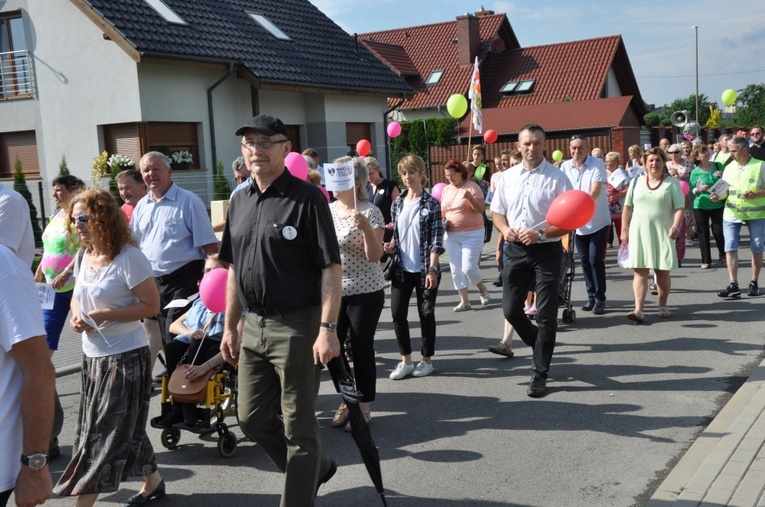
[{"x": 535, "y": 226}]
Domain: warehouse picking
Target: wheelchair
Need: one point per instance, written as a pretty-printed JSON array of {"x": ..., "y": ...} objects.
[{"x": 220, "y": 402}]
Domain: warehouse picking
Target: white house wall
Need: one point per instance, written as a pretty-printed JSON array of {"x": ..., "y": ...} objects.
[
  {"x": 83, "y": 81},
  {"x": 612, "y": 85}
]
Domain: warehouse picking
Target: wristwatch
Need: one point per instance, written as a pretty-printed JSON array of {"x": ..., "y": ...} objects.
[
  {"x": 35, "y": 461},
  {"x": 542, "y": 236},
  {"x": 70, "y": 271},
  {"x": 332, "y": 326}
]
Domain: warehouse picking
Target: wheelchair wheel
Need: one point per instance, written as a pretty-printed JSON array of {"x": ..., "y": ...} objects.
[
  {"x": 227, "y": 445},
  {"x": 170, "y": 438}
]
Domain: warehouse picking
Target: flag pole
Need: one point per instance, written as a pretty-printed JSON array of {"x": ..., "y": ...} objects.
[{"x": 470, "y": 138}]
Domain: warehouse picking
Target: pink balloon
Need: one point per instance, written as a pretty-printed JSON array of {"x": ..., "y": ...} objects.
[
  {"x": 363, "y": 148},
  {"x": 437, "y": 190},
  {"x": 324, "y": 191},
  {"x": 296, "y": 165},
  {"x": 394, "y": 129},
  {"x": 212, "y": 290},
  {"x": 685, "y": 186}
]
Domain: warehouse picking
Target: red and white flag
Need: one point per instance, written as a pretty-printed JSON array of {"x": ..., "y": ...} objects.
[{"x": 475, "y": 98}]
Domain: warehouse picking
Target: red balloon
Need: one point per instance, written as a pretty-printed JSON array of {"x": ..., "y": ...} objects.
[
  {"x": 490, "y": 136},
  {"x": 571, "y": 210},
  {"x": 363, "y": 148}
]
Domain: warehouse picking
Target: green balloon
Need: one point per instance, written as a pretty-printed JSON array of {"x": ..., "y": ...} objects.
[
  {"x": 729, "y": 96},
  {"x": 457, "y": 105},
  {"x": 557, "y": 155}
]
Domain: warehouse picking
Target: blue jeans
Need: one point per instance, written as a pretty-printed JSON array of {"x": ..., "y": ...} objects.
[
  {"x": 56, "y": 317},
  {"x": 591, "y": 248}
]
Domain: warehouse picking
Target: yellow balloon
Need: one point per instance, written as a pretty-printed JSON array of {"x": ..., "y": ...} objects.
[
  {"x": 457, "y": 105},
  {"x": 729, "y": 97}
]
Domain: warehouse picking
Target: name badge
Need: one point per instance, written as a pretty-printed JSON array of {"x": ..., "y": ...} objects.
[{"x": 289, "y": 233}]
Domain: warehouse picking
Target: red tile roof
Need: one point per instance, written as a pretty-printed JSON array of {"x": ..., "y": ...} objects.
[
  {"x": 433, "y": 47},
  {"x": 394, "y": 57},
  {"x": 557, "y": 116},
  {"x": 566, "y": 71}
]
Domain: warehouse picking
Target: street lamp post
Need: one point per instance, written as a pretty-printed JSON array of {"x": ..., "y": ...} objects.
[{"x": 696, "y": 29}]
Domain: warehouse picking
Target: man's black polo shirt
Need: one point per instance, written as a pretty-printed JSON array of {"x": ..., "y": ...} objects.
[{"x": 279, "y": 242}]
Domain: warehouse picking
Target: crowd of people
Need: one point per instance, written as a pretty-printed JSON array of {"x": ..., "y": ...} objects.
[{"x": 115, "y": 269}]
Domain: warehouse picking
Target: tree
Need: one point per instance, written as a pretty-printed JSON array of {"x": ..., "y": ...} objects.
[
  {"x": 686, "y": 104},
  {"x": 221, "y": 189},
  {"x": 63, "y": 169},
  {"x": 417, "y": 136},
  {"x": 751, "y": 106},
  {"x": 20, "y": 186}
]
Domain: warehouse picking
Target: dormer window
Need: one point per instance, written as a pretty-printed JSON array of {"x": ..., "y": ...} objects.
[
  {"x": 435, "y": 77},
  {"x": 517, "y": 87},
  {"x": 270, "y": 27},
  {"x": 166, "y": 12}
]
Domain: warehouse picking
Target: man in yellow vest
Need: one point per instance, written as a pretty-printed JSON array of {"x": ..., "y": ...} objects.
[{"x": 745, "y": 204}]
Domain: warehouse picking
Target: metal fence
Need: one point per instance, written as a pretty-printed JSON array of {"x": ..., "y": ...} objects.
[{"x": 16, "y": 75}]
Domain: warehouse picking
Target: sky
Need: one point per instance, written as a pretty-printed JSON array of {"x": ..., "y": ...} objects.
[{"x": 658, "y": 35}]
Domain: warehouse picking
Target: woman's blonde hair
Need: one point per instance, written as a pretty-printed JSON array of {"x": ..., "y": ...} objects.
[
  {"x": 413, "y": 163},
  {"x": 613, "y": 155},
  {"x": 106, "y": 222}
]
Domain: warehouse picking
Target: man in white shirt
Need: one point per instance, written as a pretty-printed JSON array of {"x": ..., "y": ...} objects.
[
  {"x": 524, "y": 195},
  {"x": 588, "y": 174},
  {"x": 16, "y": 225},
  {"x": 27, "y": 380}
]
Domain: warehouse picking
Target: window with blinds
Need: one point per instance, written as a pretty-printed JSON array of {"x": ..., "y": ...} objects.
[
  {"x": 355, "y": 132},
  {"x": 135, "y": 139},
  {"x": 23, "y": 145}
]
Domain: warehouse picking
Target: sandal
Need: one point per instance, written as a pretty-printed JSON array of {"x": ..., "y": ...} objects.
[
  {"x": 341, "y": 416},
  {"x": 636, "y": 316},
  {"x": 664, "y": 313},
  {"x": 654, "y": 289},
  {"x": 705, "y": 266},
  {"x": 501, "y": 349}
]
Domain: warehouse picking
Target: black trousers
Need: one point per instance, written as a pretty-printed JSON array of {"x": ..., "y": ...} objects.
[
  {"x": 703, "y": 217},
  {"x": 180, "y": 284},
  {"x": 400, "y": 294},
  {"x": 540, "y": 262},
  {"x": 360, "y": 314}
]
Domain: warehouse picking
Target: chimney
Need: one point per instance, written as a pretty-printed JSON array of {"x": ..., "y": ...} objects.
[{"x": 467, "y": 39}]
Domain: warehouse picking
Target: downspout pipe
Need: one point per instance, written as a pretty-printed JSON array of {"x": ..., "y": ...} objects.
[
  {"x": 385, "y": 127},
  {"x": 211, "y": 119}
]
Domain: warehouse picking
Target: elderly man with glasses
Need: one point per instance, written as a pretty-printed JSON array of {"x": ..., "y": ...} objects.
[
  {"x": 588, "y": 174},
  {"x": 285, "y": 271}
]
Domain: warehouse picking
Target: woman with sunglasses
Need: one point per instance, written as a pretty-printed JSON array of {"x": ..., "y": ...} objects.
[{"x": 114, "y": 289}]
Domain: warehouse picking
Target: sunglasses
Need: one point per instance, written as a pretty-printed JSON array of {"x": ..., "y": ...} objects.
[
  {"x": 673, "y": 152},
  {"x": 578, "y": 136},
  {"x": 80, "y": 219}
]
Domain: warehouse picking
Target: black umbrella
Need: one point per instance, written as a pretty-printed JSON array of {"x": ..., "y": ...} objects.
[{"x": 346, "y": 386}]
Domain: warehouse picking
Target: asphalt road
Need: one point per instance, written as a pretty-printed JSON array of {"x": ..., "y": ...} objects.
[{"x": 625, "y": 401}]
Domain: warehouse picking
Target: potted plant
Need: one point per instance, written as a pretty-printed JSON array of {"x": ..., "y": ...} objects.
[
  {"x": 119, "y": 162},
  {"x": 182, "y": 159}
]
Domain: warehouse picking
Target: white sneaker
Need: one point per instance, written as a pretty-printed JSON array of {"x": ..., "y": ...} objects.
[
  {"x": 402, "y": 370},
  {"x": 485, "y": 299},
  {"x": 462, "y": 307},
  {"x": 423, "y": 369}
]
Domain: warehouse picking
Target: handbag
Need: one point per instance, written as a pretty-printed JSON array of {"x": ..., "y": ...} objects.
[{"x": 184, "y": 390}]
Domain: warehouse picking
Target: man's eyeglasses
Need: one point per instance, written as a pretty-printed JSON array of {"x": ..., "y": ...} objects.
[
  {"x": 80, "y": 219},
  {"x": 263, "y": 145}
]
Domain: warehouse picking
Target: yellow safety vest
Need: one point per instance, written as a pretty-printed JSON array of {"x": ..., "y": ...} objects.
[{"x": 741, "y": 180}]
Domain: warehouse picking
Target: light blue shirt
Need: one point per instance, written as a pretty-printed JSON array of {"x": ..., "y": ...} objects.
[
  {"x": 524, "y": 196},
  {"x": 246, "y": 183},
  {"x": 593, "y": 171},
  {"x": 172, "y": 231}
]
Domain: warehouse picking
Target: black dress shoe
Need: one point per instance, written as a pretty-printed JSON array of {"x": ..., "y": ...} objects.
[
  {"x": 589, "y": 305},
  {"x": 498, "y": 281},
  {"x": 537, "y": 387},
  {"x": 139, "y": 499}
]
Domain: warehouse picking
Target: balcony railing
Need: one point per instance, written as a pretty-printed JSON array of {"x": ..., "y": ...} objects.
[{"x": 16, "y": 75}]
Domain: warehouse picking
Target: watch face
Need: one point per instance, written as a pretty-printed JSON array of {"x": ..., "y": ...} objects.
[{"x": 37, "y": 461}]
